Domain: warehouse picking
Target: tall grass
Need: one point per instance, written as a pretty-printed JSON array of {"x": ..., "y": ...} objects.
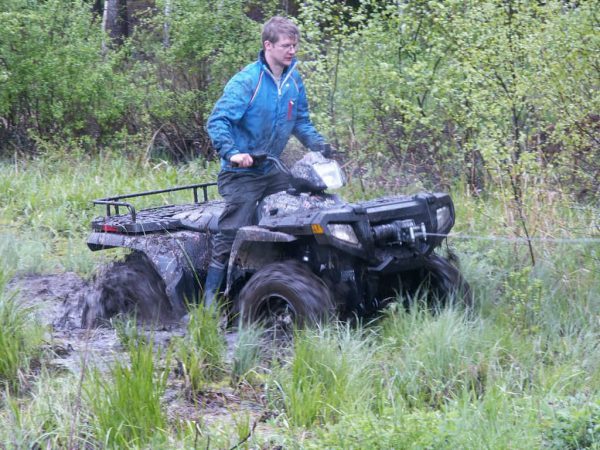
[
  {"x": 48, "y": 418},
  {"x": 20, "y": 336},
  {"x": 125, "y": 403},
  {"x": 247, "y": 353},
  {"x": 201, "y": 353},
  {"x": 327, "y": 376}
]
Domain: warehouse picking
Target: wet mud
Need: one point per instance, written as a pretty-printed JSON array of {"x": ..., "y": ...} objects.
[{"x": 58, "y": 302}]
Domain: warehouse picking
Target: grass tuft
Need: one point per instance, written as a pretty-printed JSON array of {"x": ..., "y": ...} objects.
[
  {"x": 201, "y": 353},
  {"x": 20, "y": 338},
  {"x": 247, "y": 353},
  {"x": 125, "y": 403},
  {"x": 327, "y": 376}
]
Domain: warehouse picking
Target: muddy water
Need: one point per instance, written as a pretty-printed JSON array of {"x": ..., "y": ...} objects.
[{"x": 57, "y": 301}]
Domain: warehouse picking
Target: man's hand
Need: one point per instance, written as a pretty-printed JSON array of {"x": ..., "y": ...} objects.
[
  {"x": 241, "y": 160},
  {"x": 327, "y": 150}
]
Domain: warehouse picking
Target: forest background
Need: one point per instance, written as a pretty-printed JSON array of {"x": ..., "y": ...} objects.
[{"x": 495, "y": 101}]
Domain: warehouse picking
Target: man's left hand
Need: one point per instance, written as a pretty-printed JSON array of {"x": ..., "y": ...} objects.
[{"x": 327, "y": 150}]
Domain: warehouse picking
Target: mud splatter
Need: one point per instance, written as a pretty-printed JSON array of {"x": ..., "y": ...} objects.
[{"x": 58, "y": 300}]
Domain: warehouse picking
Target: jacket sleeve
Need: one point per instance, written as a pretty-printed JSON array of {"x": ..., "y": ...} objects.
[
  {"x": 304, "y": 130},
  {"x": 227, "y": 112}
]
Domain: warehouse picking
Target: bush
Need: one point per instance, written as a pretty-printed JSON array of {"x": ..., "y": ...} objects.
[
  {"x": 56, "y": 83},
  {"x": 574, "y": 424}
]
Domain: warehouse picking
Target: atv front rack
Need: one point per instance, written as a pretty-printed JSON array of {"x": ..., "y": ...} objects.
[{"x": 116, "y": 202}]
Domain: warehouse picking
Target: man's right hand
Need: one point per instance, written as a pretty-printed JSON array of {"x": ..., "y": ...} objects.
[{"x": 241, "y": 160}]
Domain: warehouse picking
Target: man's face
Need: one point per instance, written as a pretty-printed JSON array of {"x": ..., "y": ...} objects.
[{"x": 282, "y": 52}]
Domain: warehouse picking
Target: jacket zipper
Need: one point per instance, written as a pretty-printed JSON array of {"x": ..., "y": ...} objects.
[{"x": 279, "y": 85}]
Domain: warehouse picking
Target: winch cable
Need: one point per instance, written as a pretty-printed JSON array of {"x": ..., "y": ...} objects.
[{"x": 517, "y": 240}]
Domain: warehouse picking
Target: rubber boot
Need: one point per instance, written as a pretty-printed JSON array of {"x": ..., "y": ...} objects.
[{"x": 214, "y": 279}]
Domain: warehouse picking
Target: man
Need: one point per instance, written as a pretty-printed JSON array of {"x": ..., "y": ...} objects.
[{"x": 261, "y": 107}]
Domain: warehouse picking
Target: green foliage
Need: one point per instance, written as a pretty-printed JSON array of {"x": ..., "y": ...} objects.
[
  {"x": 437, "y": 359},
  {"x": 247, "y": 353},
  {"x": 525, "y": 295},
  {"x": 201, "y": 352},
  {"x": 59, "y": 78},
  {"x": 54, "y": 80},
  {"x": 326, "y": 377},
  {"x": 48, "y": 418},
  {"x": 125, "y": 404},
  {"x": 442, "y": 84},
  {"x": 20, "y": 336},
  {"x": 573, "y": 424},
  {"x": 503, "y": 93}
]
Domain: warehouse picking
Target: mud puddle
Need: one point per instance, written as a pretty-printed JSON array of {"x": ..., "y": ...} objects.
[{"x": 56, "y": 302}]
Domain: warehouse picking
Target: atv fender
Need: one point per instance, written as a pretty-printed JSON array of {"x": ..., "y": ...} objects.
[
  {"x": 253, "y": 248},
  {"x": 180, "y": 258}
]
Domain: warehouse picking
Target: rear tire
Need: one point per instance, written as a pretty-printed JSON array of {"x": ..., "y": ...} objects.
[
  {"x": 283, "y": 295},
  {"x": 128, "y": 287}
]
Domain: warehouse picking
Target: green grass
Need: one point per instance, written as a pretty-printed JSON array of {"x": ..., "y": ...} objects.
[
  {"x": 46, "y": 209},
  {"x": 327, "y": 376},
  {"x": 125, "y": 403},
  {"x": 20, "y": 337},
  {"x": 50, "y": 416},
  {"x": 247, "y": 354},
  {"x": 521, "y": 371},
  {"x": 201, "y": 353}
]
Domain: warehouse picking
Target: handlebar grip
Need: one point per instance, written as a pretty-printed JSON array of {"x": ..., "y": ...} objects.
[{"x": 257, "y": 160}]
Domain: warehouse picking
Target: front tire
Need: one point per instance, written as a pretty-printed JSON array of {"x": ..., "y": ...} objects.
[{"x": 282, "y": 295}]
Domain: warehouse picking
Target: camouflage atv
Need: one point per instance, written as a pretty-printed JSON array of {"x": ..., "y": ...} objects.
[{"x": 311, "y": 254}]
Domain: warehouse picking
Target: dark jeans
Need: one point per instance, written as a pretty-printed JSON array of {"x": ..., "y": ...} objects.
[{"x": 242, "y": 192}]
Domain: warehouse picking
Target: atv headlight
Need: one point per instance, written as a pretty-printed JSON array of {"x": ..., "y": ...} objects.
[
  {"x": 331, "y": 173},
  {"x": 343, "y": 232},
  {"x": 443, "y": 218}
]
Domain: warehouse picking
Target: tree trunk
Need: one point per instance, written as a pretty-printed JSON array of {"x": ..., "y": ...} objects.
[{"x": 114, "y": 21}]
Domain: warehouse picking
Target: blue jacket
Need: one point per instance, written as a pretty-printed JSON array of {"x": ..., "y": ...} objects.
[{"x": 256, "y": 114}]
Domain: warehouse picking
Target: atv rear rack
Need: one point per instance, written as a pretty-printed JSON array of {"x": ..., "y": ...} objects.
[{"x": 116, "y": 202}]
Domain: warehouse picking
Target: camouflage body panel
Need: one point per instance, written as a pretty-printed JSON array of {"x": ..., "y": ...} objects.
[
  {"x": 179, "y": 247},
  {"x": 181, "y": 258},
  {"x": 284, "y": 204},
  {"x": 252, "y": 249}
]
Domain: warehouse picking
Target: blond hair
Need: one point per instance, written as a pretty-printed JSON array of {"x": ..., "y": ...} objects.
[{"x": 278, "y": 26}]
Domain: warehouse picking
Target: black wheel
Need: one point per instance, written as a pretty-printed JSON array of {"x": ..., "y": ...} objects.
[
  {"x": 283, "y": 295},
  {"x": 440, "y": 281},
  {"x": 131, "y": 286}
]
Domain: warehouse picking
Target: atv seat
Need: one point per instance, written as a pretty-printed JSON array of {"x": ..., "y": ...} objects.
[{"x": 204, "y": 218}]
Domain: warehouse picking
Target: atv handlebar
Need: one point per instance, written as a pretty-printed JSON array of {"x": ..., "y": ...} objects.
[{"x": 261, "y": 158}]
